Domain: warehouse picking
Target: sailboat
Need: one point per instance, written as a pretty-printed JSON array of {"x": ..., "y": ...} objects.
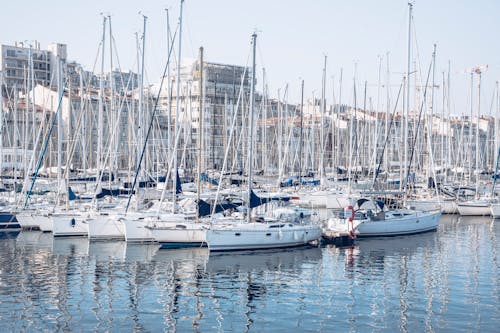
[
  {"x": 479, "y": 206},
  {"x": 372, "y": 218},
  {"x": 369, "y": 217},
  {"x": 240, "y": 233},
  {"x": 171, "y": 229}
]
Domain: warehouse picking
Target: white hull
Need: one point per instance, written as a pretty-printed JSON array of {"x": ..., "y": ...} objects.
[
  {"x": 414, "y": 223},
  {"x": 106, "y": 227},
  {"x": 172, "y": 234},
  {"x": 35, "y": 220},
  {"x": 495, "y": 210},
  {"x": 45, "y": 223},
  {"x": 27, "y": 221},
  {"x": 69, "y": 224},
  {"x": 474, "y": 208},
  {"x": 260, "y": 236},
  {"x": 136, "y": 231}
]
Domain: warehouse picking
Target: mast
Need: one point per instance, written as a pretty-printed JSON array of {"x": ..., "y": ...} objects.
[
  {"x": 101, "y": 102},
  {"x": 448, "y": 109},
  {"x": 332, "y": 127},
  {"x": 33, "y": 106},
  {"x": 470, "y": 122},
  {"x": 478, "y": 71},
  {"x": 177, "y": 96},
  {"x": 16, "y": 138},
  {"x": 84, "y": 130},
  {"x": 430, "y": 126},
  {"x": 250, "y": 129},
  {"x": 322, "y": 128},
  {"x": 264, "y": 123},
  {"x": 338, "y": 113},
  {"x": 200, "y": 137},
  {"x": 301, "y": 130},
  {"x": 169, "y": 95},
  {"x": 407, "y": 109},
  {"x": 111, "y": 113},
  {"x": 387, "y": 157},
  {"x": 142, "y": 121},
  {"x": 59, "y": 127},
  {"x": 495, "y": 136}
]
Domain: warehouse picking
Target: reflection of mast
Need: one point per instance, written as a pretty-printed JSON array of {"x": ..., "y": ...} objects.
[{"x": 403, "y": 284}]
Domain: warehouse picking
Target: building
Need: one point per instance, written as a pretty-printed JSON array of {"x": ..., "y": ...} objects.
[
  {"x": 15, "y": 63},
  {"x": 226, "y": 93}
]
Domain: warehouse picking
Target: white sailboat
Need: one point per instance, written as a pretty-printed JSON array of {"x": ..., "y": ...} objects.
[
  {"x": 479, "y": 206},
  {"x": 234, "y": 233},
  {"x": 371, "y": 218},
  {"x": 173, "y": 229}
]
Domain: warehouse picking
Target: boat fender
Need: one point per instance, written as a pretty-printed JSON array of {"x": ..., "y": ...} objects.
[{"x": 73, "y": 222}]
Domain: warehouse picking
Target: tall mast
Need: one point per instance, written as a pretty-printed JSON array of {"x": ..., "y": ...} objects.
[
  {"x": 407, "y": 109},
  {"x": 177, "y": 113},
  {"x": 101, "y": 102},
  {"x": 33, "y": 116},
  {"x": 111, "y": 113},
  {"x": 84, "y": 130},
  {"x": 200, "y": 137},
  {"x": 442, "y": 126},
  {"x": 340, "y": 108},
  {"x": 301, "y": 130},
  {"x": 142, "y": 120},
  {"x": 477, "y": 129},
  {"x": 430, "y": 127},
  {"x": 59, "y": 126},
  {"x": 470, "y": 122},
  {"x": 322, "y": 128},
  {"x": 169, "y": 95},
  {"x": 250, "y": 129},
  {"x": 495, "y": 137},
  {"x": 387, "y": 113}
]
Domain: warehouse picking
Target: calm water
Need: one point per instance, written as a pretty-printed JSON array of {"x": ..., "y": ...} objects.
[{"x": 446, "y": 281}]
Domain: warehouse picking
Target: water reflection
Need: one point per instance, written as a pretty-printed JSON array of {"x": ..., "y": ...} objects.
[
  {"x": 107, "y": 250},
  {"x": 439, "y": 281},
  {"x": 263, "y": 260}
]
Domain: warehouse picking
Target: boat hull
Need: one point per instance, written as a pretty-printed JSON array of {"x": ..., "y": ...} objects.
[
  {"x": 27, "y": 221},
  {"x": 259, "y": 236},
  {"x": 8, "y": 222},
  {"x": 474, "y": 209},
  {"x": 177, "y": 235},
  {"x": 136, "y": 231},
  {"x": 495, "y": 210},
  {"x": 106, "y": 227},
  {"x": 415, "y": 223},
  {"x": 66, "y": 225}
]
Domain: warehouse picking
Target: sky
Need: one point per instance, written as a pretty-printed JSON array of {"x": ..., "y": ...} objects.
[{"x": 356, "y": 36}]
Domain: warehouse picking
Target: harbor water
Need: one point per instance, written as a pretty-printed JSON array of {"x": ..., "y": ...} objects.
[{"x": 443, "y": 281}]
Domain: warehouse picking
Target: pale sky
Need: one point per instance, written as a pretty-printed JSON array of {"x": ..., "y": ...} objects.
[{"x": 293, "y": 37}]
